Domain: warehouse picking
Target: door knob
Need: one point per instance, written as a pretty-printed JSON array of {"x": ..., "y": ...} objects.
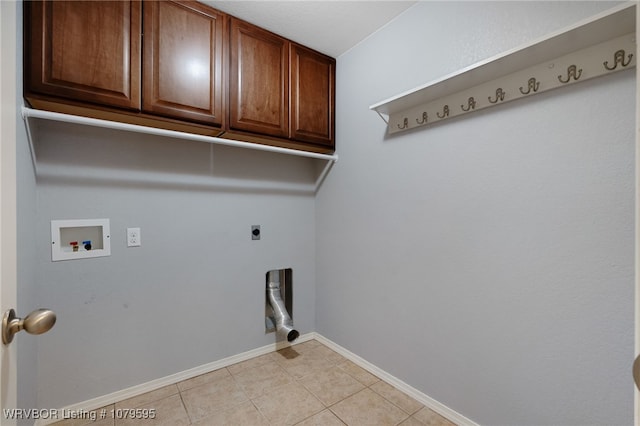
[
  {"x": 37, "y": 322},
  {"x": 636, "y": 371}
]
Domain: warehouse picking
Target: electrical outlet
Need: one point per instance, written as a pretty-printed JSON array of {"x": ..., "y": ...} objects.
[{"x": 133, "y": 237}]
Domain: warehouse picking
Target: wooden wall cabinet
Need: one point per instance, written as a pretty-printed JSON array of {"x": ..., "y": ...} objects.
[
  {"x": 178, "y": 65},
  {"x": 183, "y": 61},
  {"x": 84, "y": 50},
  {"x": 312, "y": 109},
  {"x": 259, "y": 81},
  {"x": 279, "y": 88}
]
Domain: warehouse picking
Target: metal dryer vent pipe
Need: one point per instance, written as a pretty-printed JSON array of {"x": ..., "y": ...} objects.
[{"x": 284, "y": 323}]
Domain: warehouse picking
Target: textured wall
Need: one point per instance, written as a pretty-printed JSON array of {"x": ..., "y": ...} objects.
[
  {"x": 486, "y": 261},
  {"x": 193, "y": 293}
]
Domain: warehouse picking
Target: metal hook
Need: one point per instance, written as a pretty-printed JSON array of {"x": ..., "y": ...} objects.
[
  {"x": 532, "y": 84},
  {"x": 618, "y": 58},
  {"x": 405, "y": 123},
  {"x": 471, "y": 105},
  {"x": 425, "y": 118},
  {"x": 499, "y": 95},
  {"x": 572, "y": 72},
  {"x": 445, "y": 112}
]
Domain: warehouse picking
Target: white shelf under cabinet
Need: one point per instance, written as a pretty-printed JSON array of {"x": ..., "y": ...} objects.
[{"x": 585, "y": 47}]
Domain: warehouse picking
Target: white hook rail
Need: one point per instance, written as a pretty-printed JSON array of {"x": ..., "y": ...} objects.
[{"x": 600, "y": 45}]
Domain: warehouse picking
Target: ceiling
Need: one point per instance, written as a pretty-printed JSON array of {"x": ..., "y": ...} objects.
[{"x": 330, "y": 27}]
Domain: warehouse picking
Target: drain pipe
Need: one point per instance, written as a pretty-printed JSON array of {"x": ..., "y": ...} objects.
[{"x": 284, "y": 323}]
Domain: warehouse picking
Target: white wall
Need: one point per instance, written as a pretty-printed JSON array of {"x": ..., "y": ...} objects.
[
  {"x": 193, "y": 293},
  {"x": 488, "y": 260}
]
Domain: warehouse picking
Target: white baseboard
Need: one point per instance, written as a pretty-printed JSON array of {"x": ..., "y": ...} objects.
[
  {"x": 414, "y": 393},
  {"x": 102, "y": 401}
]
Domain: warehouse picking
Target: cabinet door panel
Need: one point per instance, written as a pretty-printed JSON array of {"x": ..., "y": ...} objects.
[
  {"x": 312, "y": 96},
  {"x": 259, "y": 81},
  {"x": 183, "y": 61},
  {"x": 85, "y": 50}
]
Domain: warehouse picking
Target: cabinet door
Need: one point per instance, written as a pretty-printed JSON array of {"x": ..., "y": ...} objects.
[
  {"x": 84, "y": 50},
  {"x": 259, "y": 81},
  {"x": 312, "y": 96},
  {"x": 183, "y": 44}
]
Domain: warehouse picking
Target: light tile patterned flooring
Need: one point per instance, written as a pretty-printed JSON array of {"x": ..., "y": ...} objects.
[{"x": 306, "y": 384}]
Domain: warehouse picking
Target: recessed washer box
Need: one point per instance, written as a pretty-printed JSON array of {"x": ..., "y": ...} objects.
[{"x": 80, "y": 239}]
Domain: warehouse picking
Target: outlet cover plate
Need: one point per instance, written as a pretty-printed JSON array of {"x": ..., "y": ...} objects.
[{"x": 133, "y": 237}]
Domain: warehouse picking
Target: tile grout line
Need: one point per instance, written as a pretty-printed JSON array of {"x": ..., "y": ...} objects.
[
  {"x": 298, "y": 381},
  {"x": 342, "y": 360},
  {"x": 185, "y": 407},
  {"x": 242, "y": 388},
  {"x": 328, "y": 407},
  {"x": 442, "y": 410}
]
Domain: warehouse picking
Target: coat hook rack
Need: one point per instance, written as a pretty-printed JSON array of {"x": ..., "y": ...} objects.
[{"x": 487, "y": 84}]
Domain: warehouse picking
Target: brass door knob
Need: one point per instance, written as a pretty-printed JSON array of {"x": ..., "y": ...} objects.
[
  {"x": 37, "y": 322},
  {"x": 636, "y": 371}
]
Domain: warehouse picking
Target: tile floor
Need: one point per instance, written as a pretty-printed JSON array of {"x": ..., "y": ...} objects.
[{"x": 307, "y": 384}]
